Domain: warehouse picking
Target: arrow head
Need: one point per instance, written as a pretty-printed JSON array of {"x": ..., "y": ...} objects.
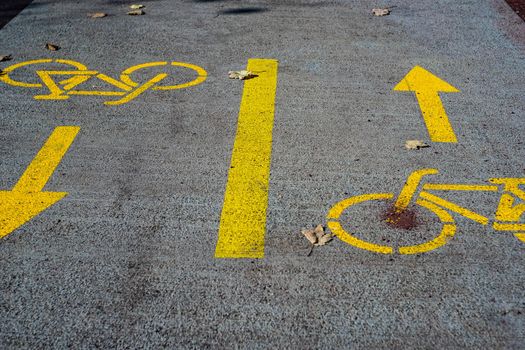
[
  {"x": 420, "y": 79},
  {"x": 17, "y": 208}
]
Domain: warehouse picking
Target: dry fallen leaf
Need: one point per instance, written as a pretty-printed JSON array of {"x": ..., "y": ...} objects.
[
  {"x": 317, "y": 237},
  {"x": 137, "y": 7},
  {"x": 136, "y": 13},
  {"x": 5, "y": 58},
  {"x": 2, "y": 72},
  {"x": 415, "y": 144},
  {"x": 324, "y": 239},
  {"x": 319, "y": 231},
  {"x": 310, "y": 235},
  {"x": 97, "y": 15},
  {"x": 381, "y": 12},
  {"x": 241, "y": 74},
  {"x": 52, "y": 47}
]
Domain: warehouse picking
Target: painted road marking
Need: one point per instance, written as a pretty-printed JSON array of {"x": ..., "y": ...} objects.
[
  {"x": 508, "y": 213},
  {"x": 427, "y": 87},
  {"x": 26, "y": 199},
  {"x": 243, "y": 219},
  {"x": 62, "y": 89}
]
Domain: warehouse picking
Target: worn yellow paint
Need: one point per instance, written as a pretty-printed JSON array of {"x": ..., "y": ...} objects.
[
  {"x": 447, "y": 232},
  {"x": 455, "y": 208},
  {"x": 56, "y": 93},
  {"x": 410, "y": 188},
  {"x": 458, "y": 187},
  {"x": 139, "y": 90},
  {"x": 61, "y": 89},
  {"x": 336, "y": 228},
  {"x": 505, "y": 226},
  {"x": 70, "y": 83},
  {"x": 201, "y": 74},
  {"x": 520, "y": 236},
  {"x": 8, "y": 80},
  {"x": 446, "y": 235},
  {"x": 427, "y": 87},
  {"x": 508, "y": 209},
  {"x": 338, "y": 208},
  {"x": 335, "y": 212},
  {"x": 114, "y": 82},
  {"x": 96, "y": 93},
  {"x": 26, "y": 200},
  {"x": 243, "y": 219}
]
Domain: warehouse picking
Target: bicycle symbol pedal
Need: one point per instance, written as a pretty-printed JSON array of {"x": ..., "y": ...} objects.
[
  {"x": 126, "y": 87},
  {"x": 507, "y": 216}
]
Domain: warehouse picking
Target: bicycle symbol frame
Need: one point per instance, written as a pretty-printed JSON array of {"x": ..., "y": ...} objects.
[
  {"x": 126, "y": 87},
  {"x": 507, "y": 215}
]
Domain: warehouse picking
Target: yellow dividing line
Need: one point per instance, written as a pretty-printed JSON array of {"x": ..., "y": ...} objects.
[
  {"x": 243, "y": 219},
  {"x": 43, "y": 165}
]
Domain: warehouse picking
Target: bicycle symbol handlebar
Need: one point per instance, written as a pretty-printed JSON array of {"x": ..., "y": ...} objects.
[{"x": 78, "y": 73}]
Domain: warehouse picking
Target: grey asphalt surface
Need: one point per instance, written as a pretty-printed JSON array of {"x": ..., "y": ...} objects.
[{"x": 126, "y": 260}]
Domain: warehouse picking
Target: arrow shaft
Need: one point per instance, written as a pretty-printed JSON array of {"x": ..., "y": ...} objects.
[
  {"x": 436, "y": 119},
  {"x": 45, "y": 162}
]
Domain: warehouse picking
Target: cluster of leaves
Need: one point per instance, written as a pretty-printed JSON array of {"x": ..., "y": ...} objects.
[{"x": 317, "y": 236}]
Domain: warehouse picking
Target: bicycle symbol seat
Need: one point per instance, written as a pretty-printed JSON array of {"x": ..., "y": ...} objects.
[
  {"x": 61, "y": 89},
  {"x": 507, "y": 215}
]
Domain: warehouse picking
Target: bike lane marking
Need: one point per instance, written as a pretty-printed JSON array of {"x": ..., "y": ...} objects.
[
  {"x": 243, "y": 218},
  {"x": 427, "y": 86},
  {"x": 26, "y": 199},
  {"x": 62, "y": 90}
]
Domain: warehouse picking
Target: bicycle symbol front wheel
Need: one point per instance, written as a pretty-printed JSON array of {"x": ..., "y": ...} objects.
[
  {"x": 447, "y": 231},
  {"x": 201, "y": 74}
]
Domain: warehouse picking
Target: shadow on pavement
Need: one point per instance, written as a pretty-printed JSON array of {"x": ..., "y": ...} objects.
[
  {"x": 243, "y": 11},
  {"x": 10, "y": 8}
]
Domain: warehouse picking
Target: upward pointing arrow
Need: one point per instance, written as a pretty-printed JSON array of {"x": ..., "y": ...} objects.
[
  {"x": 427, "y": 87},
  {"x": 26, "y": 200}
]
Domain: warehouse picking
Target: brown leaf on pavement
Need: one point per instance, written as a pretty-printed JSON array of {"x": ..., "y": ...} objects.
[
  {"x": 416, "y": 144},
  {"x": 241, "y": 74},
  {"x": 136, "y": 13},
  {"x": 317, "y": 237},
  {"x": 319, "y": 231},
  {"x": 310, "y": 235},
  {"x": 97, "y": 15},
  {"x": 52, "y": 47},
  {"x": 381, "y": 12},
  {"x": 5, "y": 58},
  {"x": 324, "y": 239}
]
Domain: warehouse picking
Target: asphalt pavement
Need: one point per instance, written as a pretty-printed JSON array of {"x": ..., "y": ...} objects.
[{"x": 172, "y": 218}]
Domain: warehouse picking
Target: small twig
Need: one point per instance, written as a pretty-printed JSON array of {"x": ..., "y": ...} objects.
[{"x": 311, "y": 250}]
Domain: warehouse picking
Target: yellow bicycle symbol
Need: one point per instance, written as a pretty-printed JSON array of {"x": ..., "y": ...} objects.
[
  {"x": 79, "y": 73},
  {"x": 507, "y": 215}
]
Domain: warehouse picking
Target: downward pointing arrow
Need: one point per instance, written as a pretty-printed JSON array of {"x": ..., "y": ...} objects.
[
  {"x": 427, "y": 87},
  {"x": 26, "y": 200}
]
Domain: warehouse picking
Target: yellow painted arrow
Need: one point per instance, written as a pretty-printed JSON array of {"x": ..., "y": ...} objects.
[
  {"x": 26, "y": 200},
  {"x": 427, "y": 87}
]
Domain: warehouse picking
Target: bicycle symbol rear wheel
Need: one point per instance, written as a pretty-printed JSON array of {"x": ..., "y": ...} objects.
[
  {"x": 6, "y": 78},
  {"x": 447, "y": 231}
]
